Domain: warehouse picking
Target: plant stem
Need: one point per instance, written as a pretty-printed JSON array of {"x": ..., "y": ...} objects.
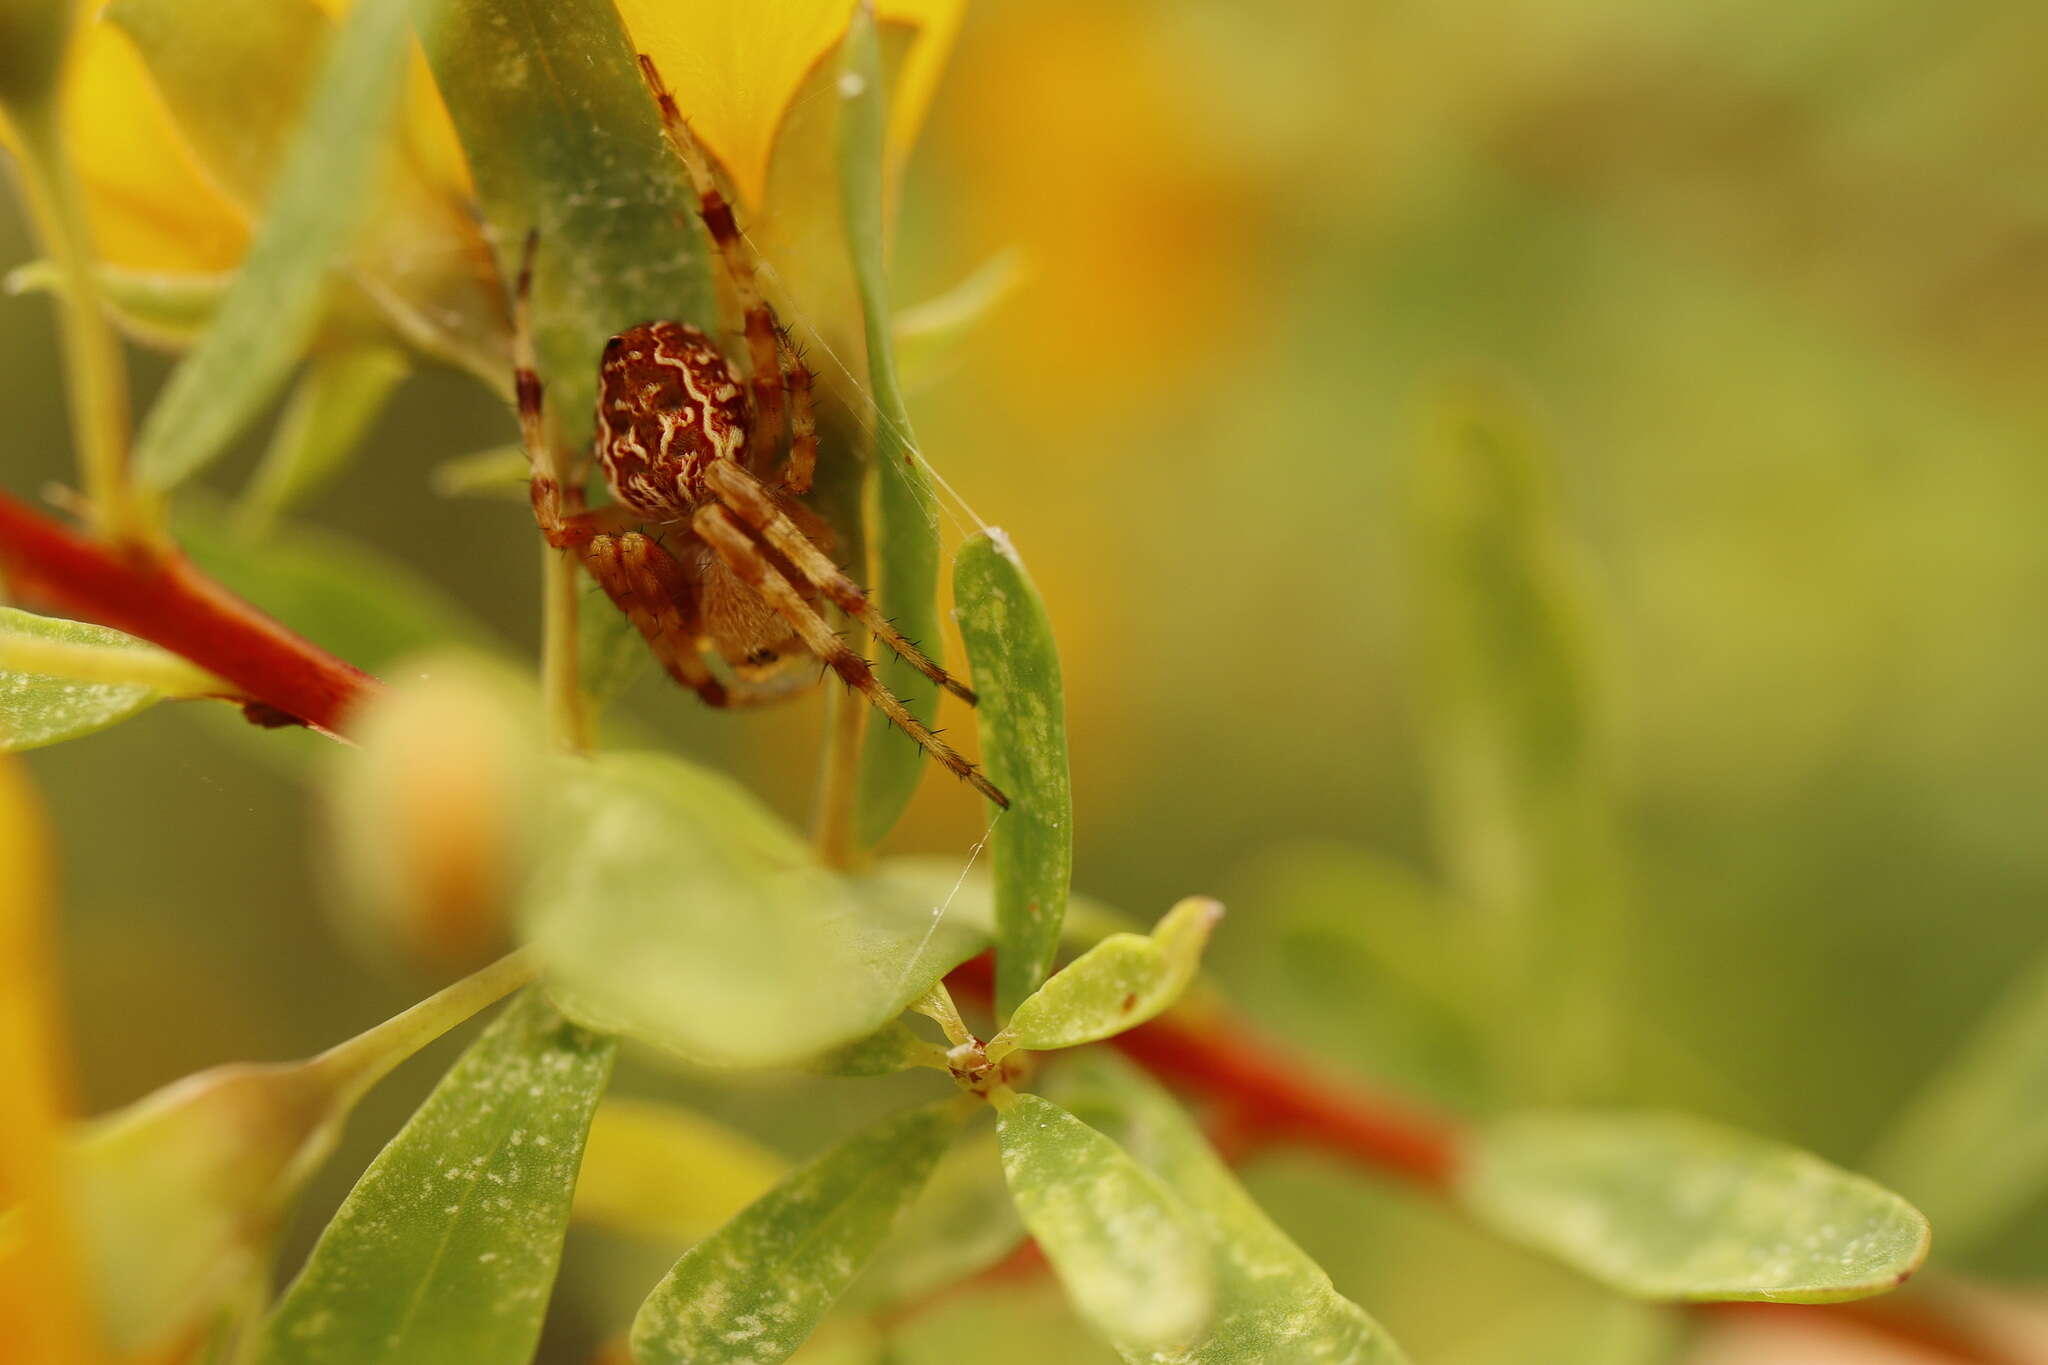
[
  {"x": 95, "y": 371},
  {"x": 158, "y": 595},
  {"x": 839, "y": 781},
  {"x": 568, "y": 714},
  {"x": 368, "y": 1057}
]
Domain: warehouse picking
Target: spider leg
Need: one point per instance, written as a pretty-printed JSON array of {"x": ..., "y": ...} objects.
[
  {"x": 751, "y": 565},
  {"x": 646, "y": 583},
  {"x": 748, "y": 499},
  {"x": 770, "y": 358}
]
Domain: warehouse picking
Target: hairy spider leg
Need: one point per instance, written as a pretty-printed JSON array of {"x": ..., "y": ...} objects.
[
  {"x": 751, "y": 502},
  {"x": 750, "y": 564},
  {"x": 777, "y": 374}
]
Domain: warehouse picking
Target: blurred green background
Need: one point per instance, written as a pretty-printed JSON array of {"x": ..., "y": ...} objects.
[{"x": 1774, "y": 279}]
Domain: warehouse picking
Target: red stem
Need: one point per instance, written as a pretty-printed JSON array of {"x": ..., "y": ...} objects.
[{"x": 159, "y": 596}]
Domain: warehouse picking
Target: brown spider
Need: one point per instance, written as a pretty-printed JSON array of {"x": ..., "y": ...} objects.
[{"x": 688, "y": 451}]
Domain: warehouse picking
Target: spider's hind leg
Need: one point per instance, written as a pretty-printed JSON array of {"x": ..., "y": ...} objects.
[
  {"x": 752, "y": 566},
  {"x": 646, "y": 583}
]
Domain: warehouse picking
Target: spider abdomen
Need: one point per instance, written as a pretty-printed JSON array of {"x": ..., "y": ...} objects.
[{"x": 668, "y": 405}]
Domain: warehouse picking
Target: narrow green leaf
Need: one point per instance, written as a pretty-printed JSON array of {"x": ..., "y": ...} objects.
[
  {"x": 447, "y": 1247},
  {"x": 1272, "y": 1302},
  {"x": 321, "y": 197},
  {"x": 63, "y": 679},
  {"x": 499, "y": 472},
  {"x": 1664, "y": 1206},
  {"x": 964, "y": 1222},
  {"x": 670, "y": 906},
  {"x": 663, "y": 1173},
  {"x": 236, "y": 84},
  {"x": 753, "y": 1291},
  {"x": 906, "y": 535},
  {"x": 166, "y": 311},
  {"x": 1514, "y": 736},
  {"x": 339, "y": 396},
  {"x": 1972, "y": 1148},
  {"x": 1022, "y": 718},
  {"x": 1133, "y": 1259},
  {"x": 1117, "y": 985},
  {"x": 895, "y": 1047},
  {"x": 930, "y": 336},
  {"x": 573, "y": 148}
]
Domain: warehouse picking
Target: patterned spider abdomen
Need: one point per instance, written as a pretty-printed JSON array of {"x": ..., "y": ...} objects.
[{"x": 668, "y": 404}]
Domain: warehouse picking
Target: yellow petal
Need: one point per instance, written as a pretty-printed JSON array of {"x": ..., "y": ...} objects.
[
  {"x": 735, "y": 66},
  {"x": 149, "y": 204},
  {"x": 43, "y": 1313}
]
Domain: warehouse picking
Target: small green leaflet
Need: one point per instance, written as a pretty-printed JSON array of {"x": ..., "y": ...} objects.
[
  {"x": 753, "y": 1291},
  {"x": 1972, "y": 1149},
  {"x": 906, "y": 535},
  {"x": 964, "y": 1222},
  {"x": 1272, "y": 1302},
  {"x": 339, "y": 397},
  {"x": 1118, "y": 984},
  {"x": 320, "y": 198},
  {"x": 1664, "y": 1206},
  {"x": 166, "y": 311},
  {"x": 107, "y": 677},
  {"x": 671, "y": 906},
  {"x": 446, "y": 1249},
  {"x": 1133, "y": 1259},
  {"x": 1022, "y": 718}
]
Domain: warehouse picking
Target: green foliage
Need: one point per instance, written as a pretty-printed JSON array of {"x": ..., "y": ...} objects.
[
  {"x": 907, "y": 511},
  {"x": 753, "y": 1291},
  {"x": 447, "y": 1247},
  {"x": 320, "y": 198},
  {"x": 62, "y": 679},
  {"x": 162, "y": 310},
  {"x": 1668, "y": 1207},
  {"x": 1022, "y": 719},
  {"x": 669, "y": 906},
  {"x": 1118, "y": 984},
  {"x": 336, "y": 402},
  {"x": 1972, "y": 1148},
  {"x": 1267, "y": 1291},
  {"x": 572, "y": 150},
  {"x": 1131, "y": 1256}
]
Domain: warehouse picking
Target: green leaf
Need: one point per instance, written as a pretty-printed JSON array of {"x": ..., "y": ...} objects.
[
  {"x": 182, "y": 1194},
  {"x": 660, "y": 1172},
  {"x": 573, "y": 148},
  {"x": 1514, "y": 736},
  {"x": 930, "y": 337},
  {"x": 670, "y": 906},
  {"x": 1022, "y": 718},
  {"x": 166, "y": 311},
  {"x": 1272, "y": 1301},
  {"x": 754, "y": 1290},
  {"x": 499, "y": 472},
  {"x": 1132, "y": 1257},
  {"x": 964, "y": 1222},
  {"x": 338, "y": 398},
  {"x": 40, "y": 707},
  {"x": 906, "y": 535},
  {"x": 1664, "y": 1206},
  {"x": 1117, "y": 985},
  {"x": 447, "y": 1247},
  {"x": 320, "y": 199},
  {"x": 1972, "y": 1147},
  {"x": 895, "y": 1047}
]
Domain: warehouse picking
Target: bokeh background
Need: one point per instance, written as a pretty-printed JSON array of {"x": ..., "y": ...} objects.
[{"x": 1773, "y": 279}]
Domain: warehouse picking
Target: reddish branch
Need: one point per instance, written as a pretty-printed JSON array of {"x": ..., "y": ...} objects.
[{"x": 159, "y": 596}]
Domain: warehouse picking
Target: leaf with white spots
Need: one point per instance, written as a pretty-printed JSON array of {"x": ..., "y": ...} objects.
[
  {"x": 1272, "y": 1302},
  {"x": 63, "y": 680},
  {"x": 1132, "y": 1257},
  {"x": 1663, "y": 1206},
  {"x": 753, "y": 1291},
  {"x": 1118, "y": 984},
  {"x": 1022, "y": 719},
  {"x": 447, "y": 1247}
]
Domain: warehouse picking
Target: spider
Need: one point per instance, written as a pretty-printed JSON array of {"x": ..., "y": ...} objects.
[{"x": 737, "y": 563}]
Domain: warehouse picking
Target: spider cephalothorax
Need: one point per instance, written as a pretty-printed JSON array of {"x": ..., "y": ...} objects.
[{"x": 690, "y": 450}]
